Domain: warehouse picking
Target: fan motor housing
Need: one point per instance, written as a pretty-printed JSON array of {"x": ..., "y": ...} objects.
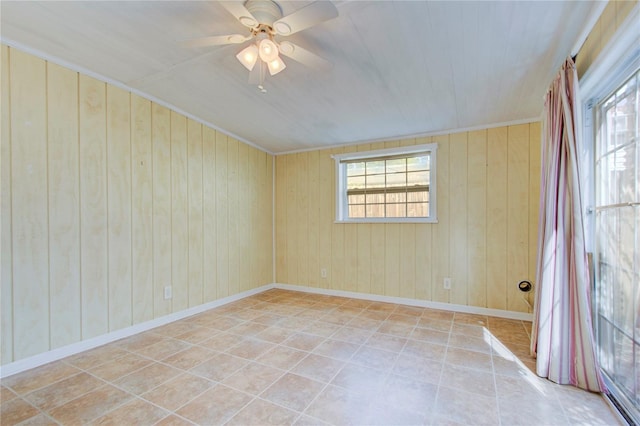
[{"x": 265, "y": 11}]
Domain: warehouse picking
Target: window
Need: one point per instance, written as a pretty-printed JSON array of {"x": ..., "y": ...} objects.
[
  {"x": 611, "y": 90},
  {"x": 389, "y": 185},
  {"x": 617, "y": 210}
]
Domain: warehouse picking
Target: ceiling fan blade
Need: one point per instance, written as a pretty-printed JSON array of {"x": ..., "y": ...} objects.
[
  {"x": 242, "y": 14},
  {"x": 304, "y": 56},
  {"x": 308, "y": 16},
  {"x": 216, "y": 40}
]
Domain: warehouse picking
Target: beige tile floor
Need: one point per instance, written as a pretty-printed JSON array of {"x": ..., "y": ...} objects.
[{"x": 284, "y": 357}]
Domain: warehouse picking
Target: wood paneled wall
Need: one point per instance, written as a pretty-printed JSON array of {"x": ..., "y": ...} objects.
[
  {"x": 485, "y": 238},
  {"x": 106, "y": 199}
]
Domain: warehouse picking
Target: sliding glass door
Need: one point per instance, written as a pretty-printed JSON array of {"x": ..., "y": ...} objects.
[{"x": 617, "y": 241}]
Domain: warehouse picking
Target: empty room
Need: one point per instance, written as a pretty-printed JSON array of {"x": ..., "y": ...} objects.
[{"x": 276, "y": 212}]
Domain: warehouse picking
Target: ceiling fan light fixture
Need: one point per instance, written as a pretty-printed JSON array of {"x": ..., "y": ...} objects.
[
  {"x": 276, "y": 66},
  {"x": 248, "y": 56},
  {"x": 268, "y": 50}
]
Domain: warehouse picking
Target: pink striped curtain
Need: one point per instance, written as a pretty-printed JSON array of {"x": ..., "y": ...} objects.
[{"x": 562, "y": 335}]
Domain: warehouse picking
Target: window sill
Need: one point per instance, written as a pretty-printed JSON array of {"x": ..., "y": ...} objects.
[{"x": 388, "y": 220}]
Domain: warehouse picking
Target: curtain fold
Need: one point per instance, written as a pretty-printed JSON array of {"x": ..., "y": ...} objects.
[{"x": 562, "y": 334}]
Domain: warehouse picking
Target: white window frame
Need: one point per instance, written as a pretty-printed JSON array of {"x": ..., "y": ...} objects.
[{"x": 342, "y": 213}]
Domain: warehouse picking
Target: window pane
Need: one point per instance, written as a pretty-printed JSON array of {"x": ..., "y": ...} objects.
[
  {"x": 396, "y": 197},
  {"x": 417, "y": 209},
  {"x": 375, "y": 198},
  {"x": 397, "y": 179},
  {"x": 414, "y": 197},
  {"x": 623, "y": 362},
  {"x": 626, "y": 173},
  {"x": 375, "y": 210},
  {"x": 375, "y": 181},
  {"x": 418, "y": 163},
  {"x": 396, "y": 210},
  {"x": 355, "y": 169},
  {"x": 397, "y": 165},
  {"x": 356, "y": 199},
  {"x": 626, "y": 112},
  {"x": 375, "y": 167},
  {"x": 418, "y": 178},
  {"x": 356, "y": 211},
  {"x": 355, "y": 182}
]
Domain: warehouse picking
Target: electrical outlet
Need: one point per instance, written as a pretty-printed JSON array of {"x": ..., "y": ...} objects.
[
  {"x": 447, "y": 283},
  {"x": 167, "y": 292},
  {"x": 323, "y": 273}
]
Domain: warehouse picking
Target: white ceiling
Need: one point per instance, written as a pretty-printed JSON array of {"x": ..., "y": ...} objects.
[{"x": 400, "y": 68}]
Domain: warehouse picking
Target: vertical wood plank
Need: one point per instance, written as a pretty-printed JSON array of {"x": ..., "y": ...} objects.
[
  {"x": 253, "y": 200},
  {"x": 517, "y": 215},
  {"x": 291, "y": 263},
  {"x": 6, "y": 262},
  {"x": 194, "y": 193},
  {"x": 378, "y": 265},
  {"x": 222, "y": 212},
  {"x": 119, "y": 207},
  {"x": 407, "y": 280},
  {"x": 314, "y": 218},
  {"x": 392, "y": 259},
  {"x": 363, "y": 233},
  {"x": 29, "y": 204},
  {"x": 232, "y": 205},
  {"x": 534, "y": 201},
  {"x": 268, "y": 218},
  {"x": 327, "y": 213},
  {"x": 64, "y": 205},
  {"x": 179, "y": 213},
  {"x": 281, "y": 219},
  {"x": 210, "y": 254},
  {"x": 161, "y": 139},
  {"x": 302, "y": 217},
  {"x": 93, "y": 207},
  {"x": 424, "y": 259},
  {"x": 245, "y": 262},
  {"x": 141, "y": 210},
  {"x": 293, "y": 230},
  {"x": 350, "y": 256},
  {"x": 440, "y": 241},
  {"x": 477, "y": 218},
  {"x": 497, "y": 218},
  {"x": 458, "y": 218}
]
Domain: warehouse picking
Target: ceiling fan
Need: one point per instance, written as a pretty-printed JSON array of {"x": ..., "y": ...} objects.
[{"x": 265, "y": 21}]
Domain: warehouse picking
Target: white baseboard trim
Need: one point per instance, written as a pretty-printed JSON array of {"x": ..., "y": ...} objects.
[
  {"x": 74, "y": 348},
  {"x": 523, "y": 316},
  {"x": 84, "y": 345}
]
